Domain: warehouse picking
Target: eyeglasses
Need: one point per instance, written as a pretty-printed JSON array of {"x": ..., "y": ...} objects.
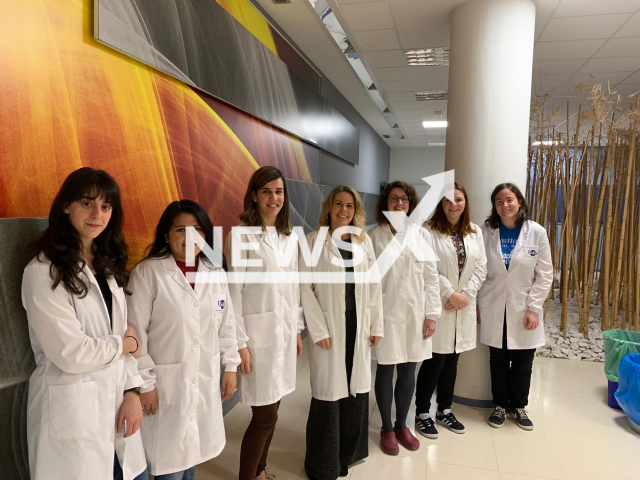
[{"x": 396, "y": 199}]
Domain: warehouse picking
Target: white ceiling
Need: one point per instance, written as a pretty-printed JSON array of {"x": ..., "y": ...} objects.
[{"x": 577, "y": 41}]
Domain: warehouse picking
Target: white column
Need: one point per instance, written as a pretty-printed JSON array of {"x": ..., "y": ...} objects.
[{"x": 490, "y": 68}]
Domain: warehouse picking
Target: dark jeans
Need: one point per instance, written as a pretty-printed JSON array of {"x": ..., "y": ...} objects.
[
  {"x": 117, "y": 471},
  {"x": 510, "y": 374},
  {"x": 440, "y": 370},
  {"x": 257, "y": 439}
]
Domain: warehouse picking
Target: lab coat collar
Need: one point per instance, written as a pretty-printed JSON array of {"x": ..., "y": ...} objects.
[
  {"x": 446, "y": 239},
  {"x": 386, "y": 228},
  {"x": 178, "y": 277},
  {"x": 270, "y": 241},
  {"x": 495, "y": 235}
]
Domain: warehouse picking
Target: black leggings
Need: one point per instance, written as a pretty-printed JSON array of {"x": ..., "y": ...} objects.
[{"x": 405, "y": 384}]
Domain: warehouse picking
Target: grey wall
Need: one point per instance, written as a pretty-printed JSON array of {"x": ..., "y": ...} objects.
[
  {"x": 16, "y": 357},
  {"x": 374, "y": 152},
  {"x": 411, "y": 165}
]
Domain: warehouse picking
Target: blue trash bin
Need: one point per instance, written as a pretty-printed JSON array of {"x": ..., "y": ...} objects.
[{"x": 628, "y": 394}]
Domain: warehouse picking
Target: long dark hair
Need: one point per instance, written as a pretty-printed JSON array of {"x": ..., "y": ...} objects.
[
  {"x": 61, "y": 244},
  {"x": 251, "y": 215},
  {"x": 160, "y": 247},
  {"x": 493, "y": 220},
  {"x": 383, "y": 200},
  {"x": 440, "y": 222}
]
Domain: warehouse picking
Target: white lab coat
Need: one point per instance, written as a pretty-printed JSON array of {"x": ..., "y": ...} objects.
[
  {"x": 268, "y": 317},
  {"x": 324, "y": 312},
  {"x": 185, "y": 335},
  {"x": 457, "y": 328},
  {"x": 410, "y": 294},
  {"x": 76, "y": 390},
  {"x": 524, "y": 287}
]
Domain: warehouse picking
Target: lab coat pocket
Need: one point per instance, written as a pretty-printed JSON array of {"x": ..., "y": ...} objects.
[
  {"x": 169, "y": 383},
  {"x": 261, "y": 329},
  {"x": 73, "y": 410}
]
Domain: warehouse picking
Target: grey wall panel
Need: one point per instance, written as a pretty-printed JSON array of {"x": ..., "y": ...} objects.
[
  {"x": 16, "y": 357},
  {"x": 200, "y": 43},
  {"x": 374, "y": 153}
]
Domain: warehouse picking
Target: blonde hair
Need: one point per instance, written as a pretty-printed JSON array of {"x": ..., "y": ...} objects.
[{"x": 359, "y": 216}]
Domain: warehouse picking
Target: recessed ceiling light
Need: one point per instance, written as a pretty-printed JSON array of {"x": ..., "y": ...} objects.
[
  {"x": 548, "y": 142},
  {"x": 434, "y": 95},
  {"x": 427, "y": 57},
  {"x": 434, "y": 124},
  {"x": 436, "y": 144}
]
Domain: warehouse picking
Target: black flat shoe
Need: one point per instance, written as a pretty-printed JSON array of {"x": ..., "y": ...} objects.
[{"x": 344, "y": 472}]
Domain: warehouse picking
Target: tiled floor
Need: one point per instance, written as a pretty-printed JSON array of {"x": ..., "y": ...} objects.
[{"x": 576, "y": 436}]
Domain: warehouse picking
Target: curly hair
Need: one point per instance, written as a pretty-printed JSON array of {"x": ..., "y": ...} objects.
[
  {"x": 383, "y": 205},
  {"x": 359, "y": 216},
  {"x": 493, "y": 220},
  {"x": 60, "y": 243}
]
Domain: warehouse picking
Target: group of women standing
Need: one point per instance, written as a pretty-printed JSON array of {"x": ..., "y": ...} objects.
[{"x": 110, "y": 344}]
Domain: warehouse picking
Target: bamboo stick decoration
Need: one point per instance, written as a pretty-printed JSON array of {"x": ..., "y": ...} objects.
[{"x": 584, "y": 188}]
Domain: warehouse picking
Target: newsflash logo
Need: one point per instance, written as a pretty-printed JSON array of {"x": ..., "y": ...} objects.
[{"x": 248, "y": 270}]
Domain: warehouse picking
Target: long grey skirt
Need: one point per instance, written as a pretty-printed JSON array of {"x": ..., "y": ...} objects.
[{"x": 337, "y": 432}]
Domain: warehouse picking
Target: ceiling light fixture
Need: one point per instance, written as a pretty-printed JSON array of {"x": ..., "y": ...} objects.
[
  {"x": 434, "y": 124},
  {"x": 434, "y": 95},
  {"x": 436, "y": 144},
  {"x": 429, "y": 57}
]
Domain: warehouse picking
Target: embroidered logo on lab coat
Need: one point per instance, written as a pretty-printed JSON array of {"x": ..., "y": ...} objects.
[
  {"x": 532, "y": 253},
  {"x": 221, "y": 304}
]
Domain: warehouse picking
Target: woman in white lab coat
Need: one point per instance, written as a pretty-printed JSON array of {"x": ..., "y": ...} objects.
[
  {"x": 342, "y": 302},
  {"x": 462, "y": 266},
  {"x": 180, "y": 307},
  {"x": 268, "y": 313},
  {"x": 511, "y": 301},
  {"x": 411, "y": 306},
  {"x": 83, "y": 411}
]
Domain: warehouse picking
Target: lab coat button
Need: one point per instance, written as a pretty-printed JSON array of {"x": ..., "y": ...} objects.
[
  {"x": 193, "y": 418},
  {"x": 195, "y": 381},
  {"x": 342, "y": 291},
  {"x": 343, "y": 315},
  {"x": 196, "y": 343},
  {"x": 197, "y": 304}
]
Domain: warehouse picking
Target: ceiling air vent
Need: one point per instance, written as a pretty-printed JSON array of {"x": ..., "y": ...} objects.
[
  {"x": 386, "y": 136},
  {"x": 434, "y": 95},
  {"x": 427, "y": 57},
  {"x": 278, "y": 2}
]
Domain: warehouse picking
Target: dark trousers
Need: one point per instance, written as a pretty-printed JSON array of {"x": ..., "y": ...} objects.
[
  {"x": 510, "y": 374},
  {"x": 257, "y": 439},
  {"x": 403, "y": 393},
  {"x": 439, "y": 371}
]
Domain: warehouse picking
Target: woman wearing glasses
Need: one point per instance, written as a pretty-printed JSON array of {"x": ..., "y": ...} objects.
[
  {"x": 411, "y": 306},
  {"x": 462, "y": 265}
]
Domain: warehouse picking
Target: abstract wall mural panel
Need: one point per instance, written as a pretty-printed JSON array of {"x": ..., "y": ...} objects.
[
  {"x": 67, "y": 101},
  {"x": 202, "y": 44}
]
